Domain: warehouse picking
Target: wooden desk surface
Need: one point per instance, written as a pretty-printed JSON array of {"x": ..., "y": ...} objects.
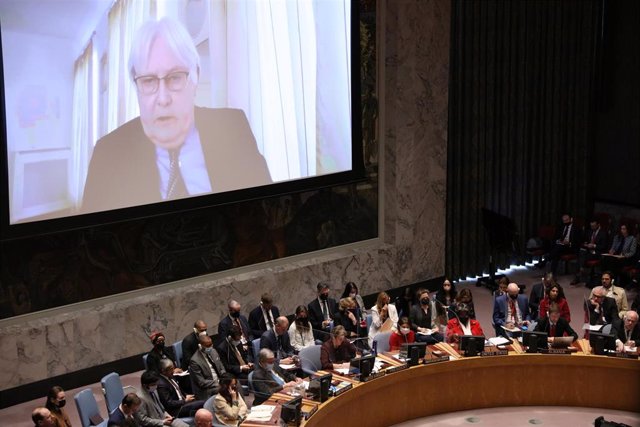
[{"x": 463, "y": 384}]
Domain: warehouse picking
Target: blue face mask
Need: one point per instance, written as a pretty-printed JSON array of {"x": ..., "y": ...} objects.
[
  {"x": 207, "y": 350},
  {"x": 269, "y": 366}
]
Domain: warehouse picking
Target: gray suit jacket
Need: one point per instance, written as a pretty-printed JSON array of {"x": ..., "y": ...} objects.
[
  {"x": 148, "y": 415},
  {"x": 203, "y": 384}
]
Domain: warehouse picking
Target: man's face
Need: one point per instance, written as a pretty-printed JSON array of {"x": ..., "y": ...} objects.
[
  {"x": 606, "y": 281},
  {"x": 337, "y": 341},
  {"x": 566, "y": 219},
  {"x": 200, "y": 327},
  {"x": 553, "y": 293},
  {"x": 630, "y": 322},
  {"x": 282, "y": 327},
  {"x": 554, "y": 317},
  {"x": 47, "y": 421},
  {"x": 167, "y": 116},
  {"x": 594, "y": 225}
]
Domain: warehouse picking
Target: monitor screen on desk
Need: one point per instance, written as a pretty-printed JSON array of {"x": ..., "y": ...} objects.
[
  {"x": 413, "y": 352},
  {"x": 601, "y": 343},
  {"x": 291, "y": 411},
  {"x": 471, "y": 345},
  {"x": 319, "y": 387},
  {"x": 534, "y": 340},
  {"x": 364, "y": 365}
]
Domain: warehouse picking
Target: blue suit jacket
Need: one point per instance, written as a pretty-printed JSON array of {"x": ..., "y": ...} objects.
[
  {"x": 225, "y": 326},
  {"x": 500, "y": 309},
  {"x": 270, "y": 341}
]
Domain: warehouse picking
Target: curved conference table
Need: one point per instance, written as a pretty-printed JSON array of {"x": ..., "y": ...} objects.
[{"x": 486, "y": 382}]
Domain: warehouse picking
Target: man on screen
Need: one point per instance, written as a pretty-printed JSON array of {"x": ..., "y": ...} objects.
[{"x": 174, "y": 149}]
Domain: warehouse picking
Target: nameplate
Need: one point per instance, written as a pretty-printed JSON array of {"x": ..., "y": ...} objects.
[
  {"x": 372, "y": 376},
  {"x": 398, "y": 368},
  {"x": 307, "y": 414},
  {"x": 435, "y": 360},
  {"x": 623, "y": 355},
  {"x": 494, "y": 353},
  {"x": 341, "y": 389},
  {"x": 555, "y": 351}
]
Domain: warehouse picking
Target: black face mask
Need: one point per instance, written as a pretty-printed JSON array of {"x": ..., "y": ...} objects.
[
  {"x": 463, "y": 319},
  {"x": 302, "y": 320},
  {"x": 424, "y": 301},
  {"x": 513, "y": 296},
  {"x": 235, "y": 314},
  {"x": 61, "y": 403},
  {"x": 324, "y": 297},
  {"x": 160, "y": 346}
]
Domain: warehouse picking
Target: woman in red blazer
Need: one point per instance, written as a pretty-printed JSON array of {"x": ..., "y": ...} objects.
[
  {"x": 462, "y": 324},
  {"x": 555, "y": 294}
]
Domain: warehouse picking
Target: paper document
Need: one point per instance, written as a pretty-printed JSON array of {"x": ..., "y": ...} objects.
[
  {"x": 181, "y": 374},
  {"x": 261, "y": 413},
  {"x": 514, "y": 329},
  {"x": 287, "y": 367},
  {"x": 589, "y": 327},
  {"x": 427, "y": 332},
  {"x": 342, "y": 371},
  {"x": 498, "y": 341}
]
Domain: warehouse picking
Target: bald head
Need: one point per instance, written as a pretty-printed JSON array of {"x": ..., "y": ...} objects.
[
  {"x": 281, "y": 325},
  {"x": 599, "y": 291},
  {"x": 42, "y": 417},
  {"x": 513, "y": 289},
  {"x": 203, "y": 418},
  {"x": 204, "y": 340}
]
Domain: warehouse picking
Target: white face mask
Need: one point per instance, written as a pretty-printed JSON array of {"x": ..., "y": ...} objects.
[
  {"x": 405, "y": 331},
  {"x": 269, "y": 366}
]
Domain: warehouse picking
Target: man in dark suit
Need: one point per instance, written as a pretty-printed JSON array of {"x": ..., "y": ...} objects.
[
  {"x": 233, "y": 354},
  {"x": 237, "y": 319},
  {"x": 269, "y": 378},
  {"x": 151, "y": 412},
  {"x": 277, "y": 340},
  {"x": 538, "y": 292},
  {"x": 321, "y": 311},
  {"x": 629, "y": 334},
  {"x": 205, "y": 369},
  {"x": 594, "y": 244},
  {"x": 603, "y": 310},
  {"x": 511, "y": 310},
  {"x": 554, "y": 325},
  {"x": 567, "y": 241},
  {"x": 190, "y": 342},
  {"x": 175, "y": 400},
  {"x": 263, "y": 316},
  {"x": 122, "y": 416},
  {"x": 173, "y": 149}
]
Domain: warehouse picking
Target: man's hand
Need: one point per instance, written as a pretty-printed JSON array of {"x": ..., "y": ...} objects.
[{"x": 190, "y": 398}]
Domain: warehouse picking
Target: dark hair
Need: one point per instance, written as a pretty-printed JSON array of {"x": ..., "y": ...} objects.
[
  {"x": 130, "y": 400},
  {"x": 234, "y": 331},
  {"x": 553, "y": 308},
  {"x": 348, "y": 287},
  {"x": 464, "y": 292},
  {"x": 149, "y": 377},
  {"x": 559, "y": 288},
  {"x": 266, "y": 298},
  {"x": 404, "y": 320},
  {"x": 225, "y": 380},
  {"x": 321, "y": 286},
  {"x": 300, "y": 309},
  {"x": 52, "y": 394}
]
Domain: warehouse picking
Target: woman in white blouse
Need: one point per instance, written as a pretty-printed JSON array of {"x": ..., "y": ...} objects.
[
  {"x": 380, "y": 313},
  {"x": 300, "y": 333}
]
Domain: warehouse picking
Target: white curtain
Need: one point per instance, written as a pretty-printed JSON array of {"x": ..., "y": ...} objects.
[
  {"x": 268, "y": 59},
  {"x": 124, "y": 19},
  {"x": 82, "y": 142}
]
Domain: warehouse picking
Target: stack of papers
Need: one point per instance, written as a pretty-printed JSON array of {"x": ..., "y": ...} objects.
[
  {"x": 261, "y": 413},
  {"x": 498, "y": 341},
  {"x": 287, "y": 367},
  {"x": 427, "y": 332},
  {"x": 589, "y": 327},
  {"x": 342, "y": 371}
]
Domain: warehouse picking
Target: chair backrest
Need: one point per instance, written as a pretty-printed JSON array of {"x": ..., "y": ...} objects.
[
  {"x": 177, "y": 351},
  {"x": 310, "y": 359},
  {"x": 369, "y": 320},
  {"x": 255, "y": 344},
  {"x": 113, "y": 391},
  {"x": 606, "y": 329},
  {"x": 87, "y": 406},
  {"x": 383, "y": 341},
  {"x": 250, "y": 379}
]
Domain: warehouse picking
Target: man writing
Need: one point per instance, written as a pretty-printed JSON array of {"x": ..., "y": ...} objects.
[{"x": 146, "y": 160}]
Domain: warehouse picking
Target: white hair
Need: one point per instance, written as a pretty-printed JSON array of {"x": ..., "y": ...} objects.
[{"x": 177, "y": 38}]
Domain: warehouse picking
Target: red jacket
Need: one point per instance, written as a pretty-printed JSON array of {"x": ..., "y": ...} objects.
[
  {"x": 565, "y": 313},
  {"x": 396, "y": 339},
  {"x": 454, "y": 328}
]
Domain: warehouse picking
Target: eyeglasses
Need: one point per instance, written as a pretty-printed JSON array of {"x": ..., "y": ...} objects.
[{"x": 175, "y": 82}]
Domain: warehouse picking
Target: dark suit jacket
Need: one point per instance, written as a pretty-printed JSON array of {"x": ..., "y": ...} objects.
[
  {"x": 123, "y": 170},
  {"x": 270, "y": 340},
  {"x": 600, "y": 241},
  {"x": 419, "y": 318},
  {"x": 256, "y": 320},
  {"x": 118, "y": 419},
  {"x": 204, "y": 386},
  {"x": 264, "y": 383},
  {"x": 189, "y": 346},
  {"x": 500, "y": 309},
  {"x": 153, "y": 358},
  {"x": 562, "y": 327},
  {"x": 608, "y": 309},
  {"x": 229, "y": 359},
  {"x": 635, "y": 335},
  {"x": 575, "y": 235},
  {"x": 316, "y": 317},
  {"x": 225, "y": 325},
  {"x": 169, "y": 397},
  {"x": 536, "y": 295}
]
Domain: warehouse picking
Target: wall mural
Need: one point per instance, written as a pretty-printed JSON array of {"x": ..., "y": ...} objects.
[{"x": 59, "y": 269}]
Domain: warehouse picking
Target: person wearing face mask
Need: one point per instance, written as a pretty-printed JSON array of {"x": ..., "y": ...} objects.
[
  {"x": 235, "y": 318},
  {"x": 321, "y": 311},
  {"x": 56, "y": 400},
  {"x": 446, "y": 297},
  {"x": 190, "y": 342},
  {"x": 462, "y": 324},
  {"x": 269, "y": 378},
  {"x": 160, "y": 351},
  {"x": 403, "y": 335},
  {"x": 347, "y": 317},
  {"x": 351, "y": 291},
  {"x": 205, "y": 369},
  {"x": 384, "y": 316},
  {"x": 176, "y": 401},
  {"x": 151, "y": 412},
  {"x": 511, "y": 311},
  {"x": 234, "y": 356},
  {"x": 229, "y": 406},
  {"x": 424, "y": 319},
  {"x": 300, "y": 333},
  {"x": 263, "y": 316}
]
